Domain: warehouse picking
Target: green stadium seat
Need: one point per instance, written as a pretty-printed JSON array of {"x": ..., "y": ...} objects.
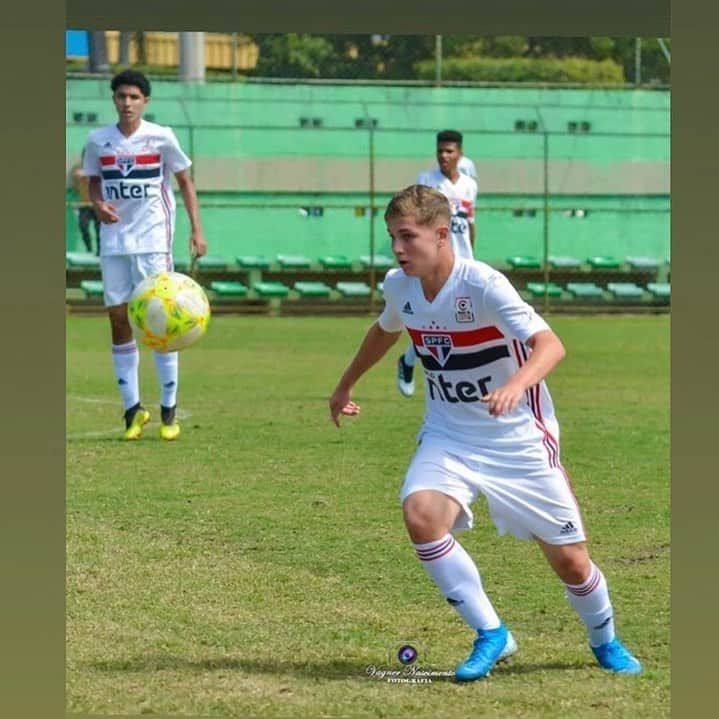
[
  {"x": 335, "y": 262},
  {"x": 537, "y": 289},
  {"x": 229, "y": 288},
  {"x": 524, "y": 262},
  {"x": 625, "y": 290},
  {"x": 564, "y": 262},
  {"x": 643, "y": 263},
  {"x": 182, "y": 265},
  {"x": 294, "y": 262},
  {"x": 92, "y": 288},
  {"x": 250, "y": 262},
  {"x": 601, "y": 262},
  {"x": 312, "y": 289},
  {"x": 380, "y": 261},
  {"x": 354, "y": 289},
  {"x": 380, "y": 286},
  {"x": 271, "y": 289},
  {"x": 212, "y": 262},
  {"x": 584, "y": 290},
  {"x": 660, "y": 290},
  {"x": 84, "y": 260}
]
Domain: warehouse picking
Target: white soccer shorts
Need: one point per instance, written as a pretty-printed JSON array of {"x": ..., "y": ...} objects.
[
  {"x": 526, "y": 496},
  {"x": 122, "y": 273}
]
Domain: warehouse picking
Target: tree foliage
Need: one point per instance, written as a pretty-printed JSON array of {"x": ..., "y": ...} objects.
[{"x": 465, "y": 57}]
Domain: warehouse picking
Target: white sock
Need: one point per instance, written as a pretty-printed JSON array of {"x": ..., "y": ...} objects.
[
  {"x": 458, "y": 579},
  {"x": 167, "y": 373},
  {"x": 126, "y": 361},
  {"x": 591, "y": 601},
  {"x": 410, "y": 355}
]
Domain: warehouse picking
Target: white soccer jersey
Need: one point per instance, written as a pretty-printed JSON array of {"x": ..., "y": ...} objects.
[
  {"x": 136, "y": 174},
  {"x": 467, "y": 167},
  {"x": 461, "y": 196},
  {"x": 471, "y": 339}
]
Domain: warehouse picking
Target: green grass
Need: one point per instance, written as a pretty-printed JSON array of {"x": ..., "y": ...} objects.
[{"x": 258, "y": 565}]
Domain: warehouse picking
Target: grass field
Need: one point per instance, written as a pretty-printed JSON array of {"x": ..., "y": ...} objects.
[{"x": 258, "y": 565}]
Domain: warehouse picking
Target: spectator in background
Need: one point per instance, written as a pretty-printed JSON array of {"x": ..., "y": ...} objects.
[{"x": 86, "y": 214}]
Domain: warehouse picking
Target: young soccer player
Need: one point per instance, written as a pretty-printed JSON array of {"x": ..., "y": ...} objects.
[
  {"x": 130, "y": 165},
  {"x": 489, "y": 427},
  {"x": 461, "y": 191}
]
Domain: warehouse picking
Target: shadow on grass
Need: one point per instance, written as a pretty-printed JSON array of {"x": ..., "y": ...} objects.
[
  {"x": 338, "y": 669},
  {"x": 335, "y": 670}
]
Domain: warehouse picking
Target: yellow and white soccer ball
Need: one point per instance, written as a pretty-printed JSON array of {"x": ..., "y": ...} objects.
[{"x": 168, "y": 311}]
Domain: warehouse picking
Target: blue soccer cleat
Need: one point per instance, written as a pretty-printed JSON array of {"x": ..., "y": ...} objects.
[
  {"x": 489, "y": 646},
  {"x": 615, "y": 657},
  {"x": 510, "y": 648}
]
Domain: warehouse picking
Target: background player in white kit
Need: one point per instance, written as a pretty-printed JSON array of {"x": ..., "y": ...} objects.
[
  {"x": 461, "y": 191},
  {"x": 489, "y": 427},
  {"x": 131, "y": 165}
]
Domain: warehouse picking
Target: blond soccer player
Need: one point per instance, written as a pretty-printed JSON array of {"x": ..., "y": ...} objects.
[{"x": 489, "y": 428}]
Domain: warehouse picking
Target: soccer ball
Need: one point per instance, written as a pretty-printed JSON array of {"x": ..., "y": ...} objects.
[{"x": 168, "y": 311}]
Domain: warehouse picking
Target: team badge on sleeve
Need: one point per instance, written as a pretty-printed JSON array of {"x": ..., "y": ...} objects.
[{"x": 463, "y": 311}]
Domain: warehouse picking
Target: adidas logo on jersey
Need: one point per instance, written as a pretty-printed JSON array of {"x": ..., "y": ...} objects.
[
  {"x": 568, "y": 528},
  {"x": 407, "y": 309}
]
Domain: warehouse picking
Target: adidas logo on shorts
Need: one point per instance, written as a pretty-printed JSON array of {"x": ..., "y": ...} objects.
[{"x": 568, "y": 528}]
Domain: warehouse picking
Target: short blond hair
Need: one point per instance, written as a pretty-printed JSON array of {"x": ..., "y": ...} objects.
[{"x": 426, "y": 205}]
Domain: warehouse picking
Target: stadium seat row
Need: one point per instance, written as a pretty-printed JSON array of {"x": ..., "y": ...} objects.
[
  {"x": 279, "y": 289},
  {"x": 341, "y": 262},
  {"x": 87, "y": 260},
  {"x": 590, "y": 291},
  {"x": 232, "y": 289},
  {"x": 602, "y": 262},
  {"x": 575, "y": 290}
]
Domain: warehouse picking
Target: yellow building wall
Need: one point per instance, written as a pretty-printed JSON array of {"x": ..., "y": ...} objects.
[{"x": 163, "y": 49}]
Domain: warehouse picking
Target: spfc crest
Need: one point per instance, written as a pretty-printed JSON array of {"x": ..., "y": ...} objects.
[
  {"x": 439, "y": 346},
  {"x": 125, "y": 163}
]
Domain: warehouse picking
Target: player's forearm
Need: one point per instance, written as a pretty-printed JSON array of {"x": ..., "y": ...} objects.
[
  {"x": 374, "y": 346},
  {"x": 547, "y": 352},
  {"x": 95, "y": 190},
  {"x": 192, "y": 206}
]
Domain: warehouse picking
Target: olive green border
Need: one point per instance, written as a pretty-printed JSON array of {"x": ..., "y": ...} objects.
[{"x": 33, "y": 354}]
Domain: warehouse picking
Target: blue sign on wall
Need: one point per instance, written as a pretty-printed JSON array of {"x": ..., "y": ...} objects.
[{"x": 76, "y": 43}]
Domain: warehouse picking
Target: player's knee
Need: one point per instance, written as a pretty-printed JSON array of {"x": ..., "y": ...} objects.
[
  {"x": 573, "y": 566},
  {"x": 421, "y": 520}
]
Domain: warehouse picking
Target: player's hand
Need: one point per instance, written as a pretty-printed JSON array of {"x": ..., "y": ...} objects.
[
  {"x": 341, "y": 403},
  {"x": 503, "y": 400},
  {"x": 107, "y": 212},
  {"x": 198, "y": 246}
]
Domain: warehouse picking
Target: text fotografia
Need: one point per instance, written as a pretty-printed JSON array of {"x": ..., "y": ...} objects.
[{"x": 406, "y": 675}]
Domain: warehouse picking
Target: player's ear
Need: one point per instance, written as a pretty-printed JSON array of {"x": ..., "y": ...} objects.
[{"x": 442, "y": 235}]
